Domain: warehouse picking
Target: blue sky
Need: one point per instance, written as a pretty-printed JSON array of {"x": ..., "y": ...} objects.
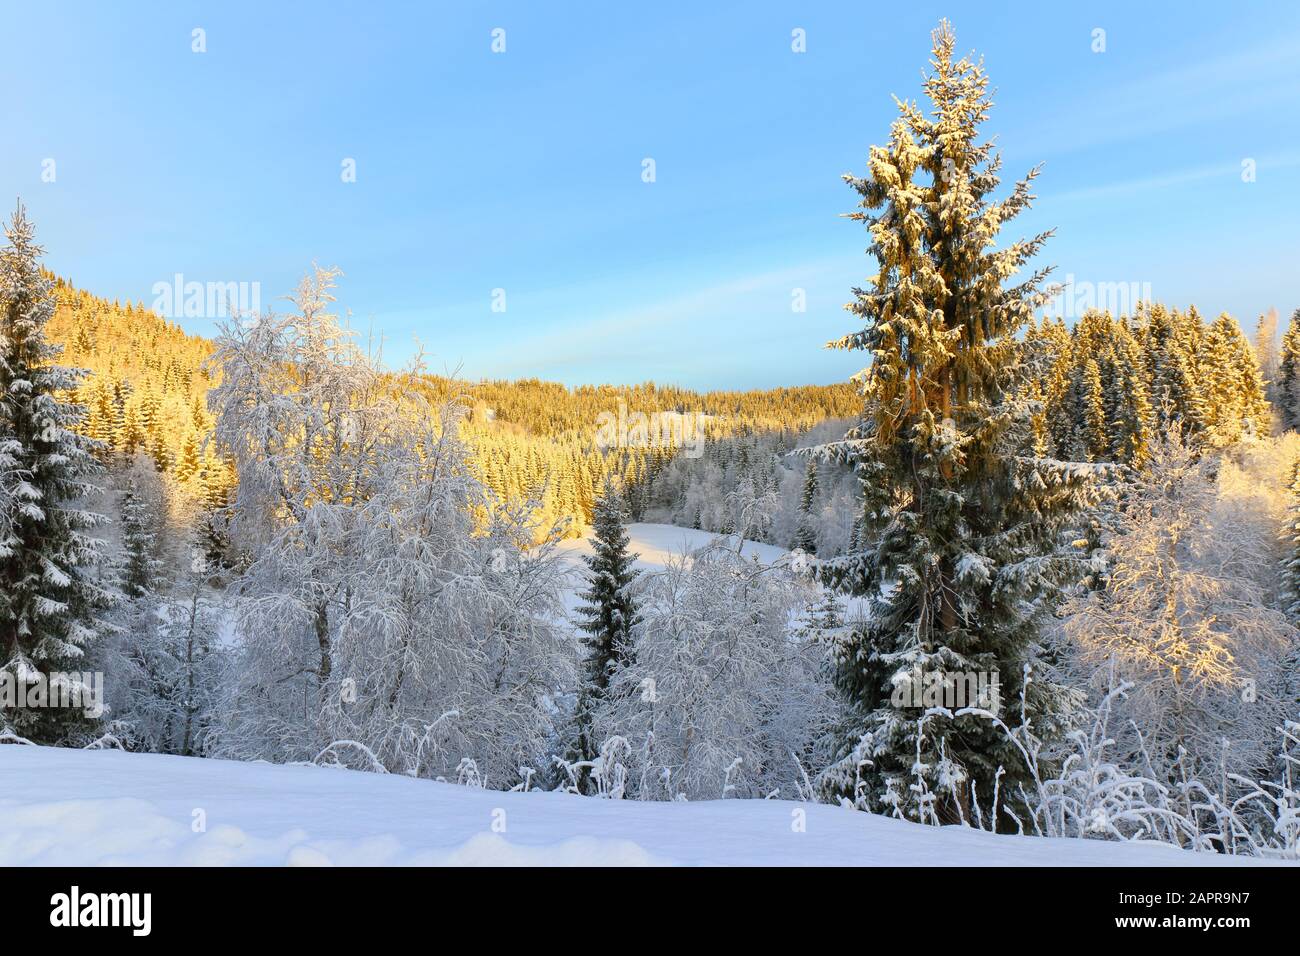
[{"x": 522, "y": 170}]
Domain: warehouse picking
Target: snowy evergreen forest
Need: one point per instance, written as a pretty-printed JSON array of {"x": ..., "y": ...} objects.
[{"x": 273, "y": 547}]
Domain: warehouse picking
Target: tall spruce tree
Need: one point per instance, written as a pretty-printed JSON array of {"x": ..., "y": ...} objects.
[
  {"x": 1288, "y": 383},
  {"x": 47, "y": 597},
  {"x": 1291, "y": 562},
  {"x": 139, "y": 566},
  {"x": 1232, "y": 388},
  {"x": 1094, "y": 425},
  {"x": 964, "y": 562},
  {"x": 806, "y": 536},
  {"x": 1266, "y": 348},
  {"x": 1045, "y": 371},
  {"x": 1132, "y": 419},
  {"x": 1168, "y": 345},
  {"x": 609, "y": 613}
]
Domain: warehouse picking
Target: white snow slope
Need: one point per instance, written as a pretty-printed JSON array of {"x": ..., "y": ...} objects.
[
  {"x": 654, "y": 544},
  {"x": 78, "y": 807}
]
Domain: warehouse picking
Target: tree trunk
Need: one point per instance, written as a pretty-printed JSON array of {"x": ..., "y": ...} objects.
[
  {"x": 323, "y": 638},
  {"x": 189, "y": 675}
]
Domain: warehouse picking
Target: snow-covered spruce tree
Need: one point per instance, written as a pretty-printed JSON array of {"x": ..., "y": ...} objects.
[
  {"x": 48, "y": 598},
  {"x": 1129, "y": 411},
  {"x": 140, "y": 567},
  {"x": 1098, "y": 406},
  {"x": 964, "y": 521},
  {"x": 1266, "y": 356},
  {"x": 1046, "y": 359},
  {"x": 1287, "y": 394},
  {"x": 1093, "y": 423},
  {"x": 1232, "y": 390},
  {"x": 214, "y": 482},
  {"x": 1291, "y": 540},
  {"x": 609, "y": 615},
  {"x": 806, "y": 536},
  {"x": 1169, "y": 354}
]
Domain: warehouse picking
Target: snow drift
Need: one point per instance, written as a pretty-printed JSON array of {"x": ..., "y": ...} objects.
[{"x": 76, "y": 807}]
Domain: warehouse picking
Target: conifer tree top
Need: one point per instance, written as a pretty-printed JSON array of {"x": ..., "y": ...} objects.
[{"x": 939, "y": 318}]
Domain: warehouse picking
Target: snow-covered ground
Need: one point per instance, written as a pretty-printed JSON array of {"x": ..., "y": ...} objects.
[
  {"x": 656, "y": 543},
  {"x": 77, "y": 807}
]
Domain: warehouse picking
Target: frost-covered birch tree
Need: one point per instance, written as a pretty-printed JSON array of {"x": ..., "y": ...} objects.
[
  {"x": 725, "y": 697},
  {"x": 1190, "y": 615},
  {"x": 389, "y": 614}
]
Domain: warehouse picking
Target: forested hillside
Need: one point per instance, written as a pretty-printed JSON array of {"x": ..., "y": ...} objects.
[
  {"x": 1104, "y": 386},
  {"x": 147, "y": 392},
  {"x": 147, "y": 388},
  {"x": 546, "y": 441},
  {"x": 1108, "y": 386}
]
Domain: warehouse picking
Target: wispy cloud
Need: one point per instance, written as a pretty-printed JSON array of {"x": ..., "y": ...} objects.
[
  {"x": 1134, "y": 106},
  {"x": 1228, "y": 172},
  {"x": 666, "y": 327}
]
